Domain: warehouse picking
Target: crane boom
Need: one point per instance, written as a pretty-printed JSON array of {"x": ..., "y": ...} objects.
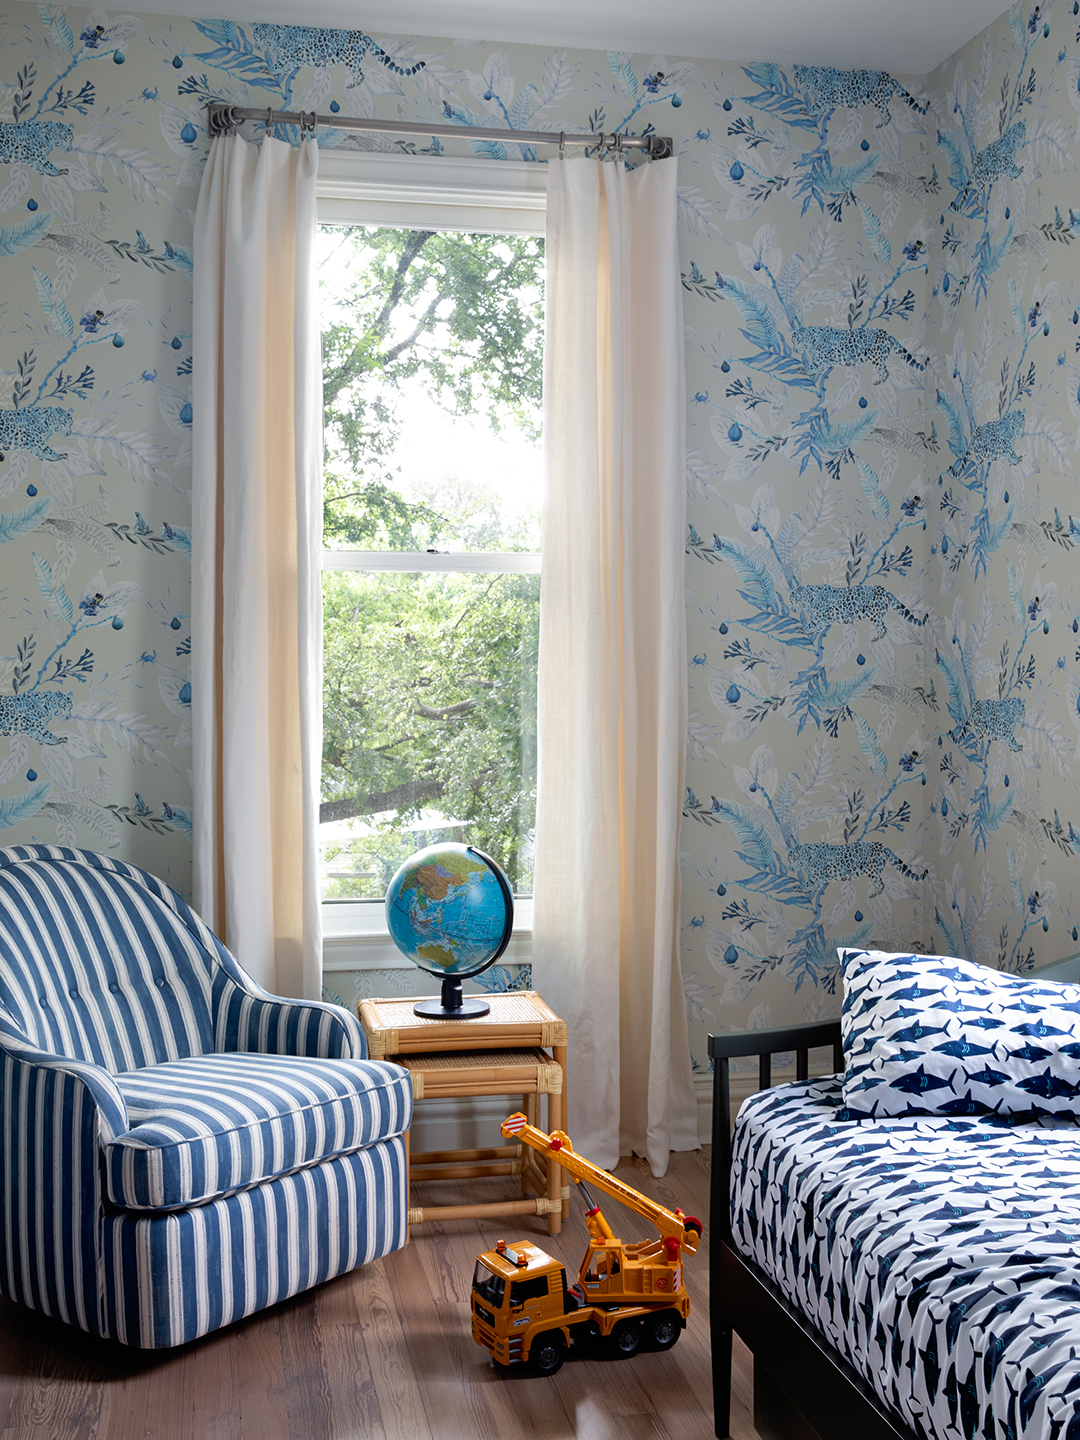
[{"x": 558, "y": 1147}]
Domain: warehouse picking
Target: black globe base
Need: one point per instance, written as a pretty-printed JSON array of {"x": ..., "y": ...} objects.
[{"x": 451, "y": 1005}]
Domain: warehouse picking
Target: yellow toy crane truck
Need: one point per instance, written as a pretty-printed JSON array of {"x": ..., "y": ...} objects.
[{"x": 523, "y": 1310}]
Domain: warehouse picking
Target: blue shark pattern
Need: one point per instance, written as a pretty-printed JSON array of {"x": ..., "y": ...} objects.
[
  {"x": 877, "y": 1027},
  {"x": 937, "y": 1255}
]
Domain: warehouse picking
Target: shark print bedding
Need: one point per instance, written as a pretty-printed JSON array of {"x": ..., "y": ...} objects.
[{"x": 937, "y": 1254}]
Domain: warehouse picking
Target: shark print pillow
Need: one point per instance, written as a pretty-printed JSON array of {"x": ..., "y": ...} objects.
[{"x": 930, "y": 1035}]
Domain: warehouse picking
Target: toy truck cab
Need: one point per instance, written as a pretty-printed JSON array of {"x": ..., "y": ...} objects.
[{"x": 521, "y": 1306}]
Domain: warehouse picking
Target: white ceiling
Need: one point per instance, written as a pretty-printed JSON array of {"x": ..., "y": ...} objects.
[{"x": 908, "y": 37}]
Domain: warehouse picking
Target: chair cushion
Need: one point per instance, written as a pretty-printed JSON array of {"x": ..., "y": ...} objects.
[{"x": 211, "y": 1124}]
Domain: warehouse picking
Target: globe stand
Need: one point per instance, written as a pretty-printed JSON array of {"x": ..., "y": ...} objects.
[{"x": 452, "y": 1005}]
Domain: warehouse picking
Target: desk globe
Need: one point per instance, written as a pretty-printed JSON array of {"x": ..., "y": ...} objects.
[{"x": 450, "y": 910}]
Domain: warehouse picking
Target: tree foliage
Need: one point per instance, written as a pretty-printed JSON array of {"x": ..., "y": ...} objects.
[
  {"x": 463, "y": 314},
  {"x": 429, "y": 679}
]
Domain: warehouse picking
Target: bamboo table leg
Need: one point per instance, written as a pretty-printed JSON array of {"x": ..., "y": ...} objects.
[
  {"x": 558, "y": 1054},
  {"x": 530, "y": 1104}
]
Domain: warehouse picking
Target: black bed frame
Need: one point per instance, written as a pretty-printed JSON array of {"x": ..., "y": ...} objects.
[{"x": 804, "y": 1389}]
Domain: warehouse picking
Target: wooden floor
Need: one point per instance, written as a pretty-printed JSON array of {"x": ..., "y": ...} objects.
[{"x": 383, "y": 1352}]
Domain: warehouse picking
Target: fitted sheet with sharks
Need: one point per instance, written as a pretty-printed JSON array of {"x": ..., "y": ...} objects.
[{"x": 940, "y": 1256}]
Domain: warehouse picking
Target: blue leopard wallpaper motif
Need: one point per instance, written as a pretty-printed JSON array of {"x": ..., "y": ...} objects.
[
  {"x": 883, "y": 383},
  {"x": 1006, "y": 335}
]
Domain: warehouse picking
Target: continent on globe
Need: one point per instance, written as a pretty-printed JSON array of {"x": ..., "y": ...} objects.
[
  {"x": 432, "y": 881},
  {"x": 438, "y": 954}
]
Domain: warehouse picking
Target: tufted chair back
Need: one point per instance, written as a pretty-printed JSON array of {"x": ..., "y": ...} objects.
[{"x": 100, "y": 962}]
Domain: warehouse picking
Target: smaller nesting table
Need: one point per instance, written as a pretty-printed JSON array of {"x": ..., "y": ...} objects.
[{"x": 502, "y": 1053}]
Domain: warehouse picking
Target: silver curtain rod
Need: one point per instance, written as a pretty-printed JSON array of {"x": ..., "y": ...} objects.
[{"x": 223, "y": 118}]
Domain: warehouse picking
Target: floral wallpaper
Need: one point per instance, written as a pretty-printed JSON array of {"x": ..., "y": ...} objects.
[
  {"x": 883, "y": 364},
  {"x": 1002, "y": 649}
]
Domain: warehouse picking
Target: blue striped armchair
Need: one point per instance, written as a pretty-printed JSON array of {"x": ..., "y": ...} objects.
[{"x": 179, "y": 1148}]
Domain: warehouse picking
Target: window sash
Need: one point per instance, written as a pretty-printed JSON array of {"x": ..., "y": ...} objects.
[
  {"x": 494, "y": 197},
  {"x": 507, "y": 562}
]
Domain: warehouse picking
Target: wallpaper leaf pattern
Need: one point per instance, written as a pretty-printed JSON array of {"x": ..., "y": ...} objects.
[{"x": 883, "y": 356}]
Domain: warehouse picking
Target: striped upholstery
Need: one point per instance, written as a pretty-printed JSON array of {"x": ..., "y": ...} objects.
[
  {"x": 171, "y": 1277},
  {"x": 203, "y": 1127},
  {"x": 136, "y": 1055}
]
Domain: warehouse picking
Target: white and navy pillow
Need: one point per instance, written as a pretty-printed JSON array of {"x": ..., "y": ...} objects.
[{"x": 930, "y": 1035}]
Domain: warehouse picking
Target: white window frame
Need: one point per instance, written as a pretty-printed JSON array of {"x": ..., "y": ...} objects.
[{"x": 493, "y": 197}]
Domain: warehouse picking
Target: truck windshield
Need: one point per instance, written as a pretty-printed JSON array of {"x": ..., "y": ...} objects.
[{"x": 488, "y": 1286}]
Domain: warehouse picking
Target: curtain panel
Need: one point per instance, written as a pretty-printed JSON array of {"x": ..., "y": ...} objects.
[
  {"x": 612, "y": 670},
  {"x": 256, "y": 542}
]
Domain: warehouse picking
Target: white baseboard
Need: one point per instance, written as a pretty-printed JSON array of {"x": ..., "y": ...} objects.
[{"x": 465, "y": 1123}]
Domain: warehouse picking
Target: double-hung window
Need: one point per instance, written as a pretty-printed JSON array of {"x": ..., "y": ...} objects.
[{"x": 431, "y": 284}]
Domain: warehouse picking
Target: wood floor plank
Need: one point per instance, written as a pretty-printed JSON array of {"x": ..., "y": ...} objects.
[
  {"x": 16, "y": 1348},
  {"x": 380, "y": 1330},
  {"x": 61, "y": 1391},
  {"x": 307, "y": 1391},
  {"x": 171, "y": 1412},
  {"x": 264, "y": 1413},
  {"x": 354, "y": 1399},
  {"x": 217, "y": 1414}
]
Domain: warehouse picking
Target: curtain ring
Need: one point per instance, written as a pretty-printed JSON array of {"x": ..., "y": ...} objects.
[
  {"x": 269, "y": 121},
  {"x": 309, "y": 121},
  {"x": 562, "y": 144}
]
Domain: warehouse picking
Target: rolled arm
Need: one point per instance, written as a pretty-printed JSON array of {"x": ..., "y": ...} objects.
[
  {"x": 57, "y": 1114},
  {"x": 90, "y": 1083},
  {"x": 246, "y": 1017}
]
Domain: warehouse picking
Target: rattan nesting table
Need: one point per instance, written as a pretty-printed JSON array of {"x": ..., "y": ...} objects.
[{"x": 505, "y": 1052}]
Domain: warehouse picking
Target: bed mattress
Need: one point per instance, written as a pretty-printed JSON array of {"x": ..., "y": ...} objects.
[{"x": 939, "y": 1256}]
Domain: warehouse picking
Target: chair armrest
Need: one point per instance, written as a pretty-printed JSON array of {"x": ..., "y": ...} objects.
[
  {"x": 247, "y": 1017},
  {"x": 79, "y": 1078}
]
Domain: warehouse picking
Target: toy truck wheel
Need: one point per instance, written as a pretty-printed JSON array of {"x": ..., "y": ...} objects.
[
  {"x": 547, "y": 1353},
  {"x": 626, "y": 1338},
  {"x": 662, "y": 1330}
]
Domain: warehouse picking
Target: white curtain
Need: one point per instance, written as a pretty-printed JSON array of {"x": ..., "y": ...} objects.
[
  {"x": 612, "y": 672},
  {"x": 256, "y": 542}
]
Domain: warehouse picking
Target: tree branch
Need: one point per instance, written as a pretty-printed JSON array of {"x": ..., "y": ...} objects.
[
  {"x": 392, "y": 354},
  {"x": 403, "y": 797},
  {"x": 338, "y": 378},
  {"x": 429, "y": 712}
]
